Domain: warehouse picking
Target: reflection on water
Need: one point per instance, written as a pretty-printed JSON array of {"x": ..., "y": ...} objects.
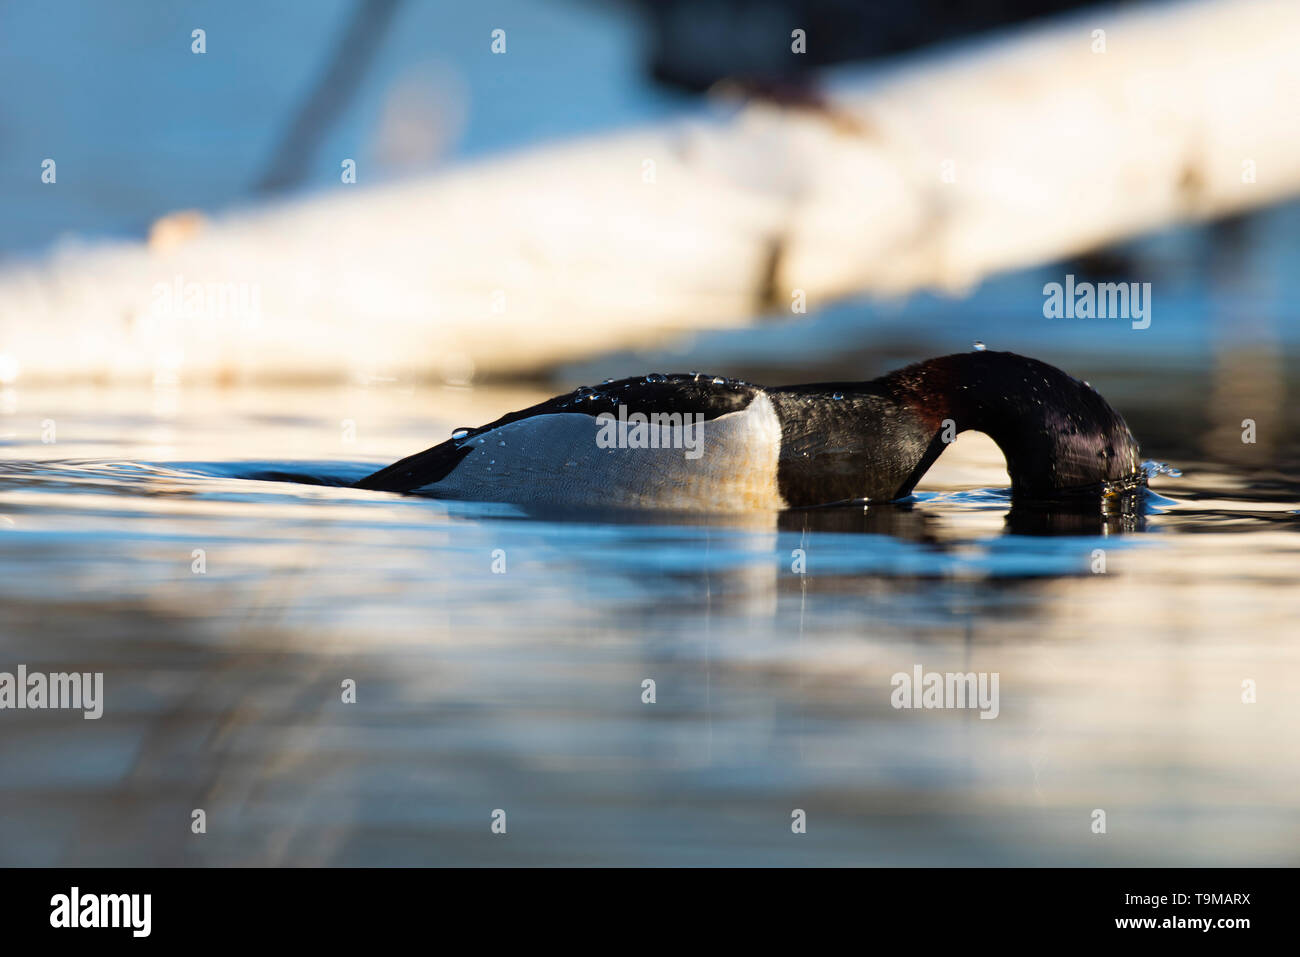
[{"x": 499, "y": 659}]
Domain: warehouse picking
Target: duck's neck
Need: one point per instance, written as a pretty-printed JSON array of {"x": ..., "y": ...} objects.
[{"x": 1056, "y": 432}]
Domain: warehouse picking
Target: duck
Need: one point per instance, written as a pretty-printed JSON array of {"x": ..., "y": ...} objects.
[{"x": 697, "y": 442}]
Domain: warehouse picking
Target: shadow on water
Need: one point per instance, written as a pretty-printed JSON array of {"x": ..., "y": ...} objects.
[
  {"x": 912, "y": 521},
  {"x": 1120, "y": 511},
  {"x": 919, "y": 519},
  {"x": 1088, "y": 513}
]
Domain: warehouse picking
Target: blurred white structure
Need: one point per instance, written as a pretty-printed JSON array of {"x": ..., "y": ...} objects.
[{"x": 932, "y": 172}]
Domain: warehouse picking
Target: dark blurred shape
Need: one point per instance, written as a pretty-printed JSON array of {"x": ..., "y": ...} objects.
[
  {"x": 330, "y": 95},
  {"x": 896, "y": 519},
  {"x": 1123, "y": 512},
  {"x": 696, "y": 43}
]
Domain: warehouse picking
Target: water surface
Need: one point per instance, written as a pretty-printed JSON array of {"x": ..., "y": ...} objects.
[{"x": 521, "y": 689}]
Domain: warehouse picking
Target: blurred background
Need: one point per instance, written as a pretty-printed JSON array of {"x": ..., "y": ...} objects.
[{"x": 488, "y": 256}]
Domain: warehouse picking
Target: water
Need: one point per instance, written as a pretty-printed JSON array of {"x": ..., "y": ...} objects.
[{"x": 521, "y": 689}]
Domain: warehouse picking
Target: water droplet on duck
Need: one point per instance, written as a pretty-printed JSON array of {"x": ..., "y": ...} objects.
[
  {"x": 459, "y": 433},
  {"x": 837, "y": 396},
  {"x": 502, "y": 442},
  {"x": 718, "y": 380},
  {"x": 656, "y": 377},
  {"x": 979, "y": 346},
  {"x": 606, "y": 381},
  {"x": 1161, "y": 468}
]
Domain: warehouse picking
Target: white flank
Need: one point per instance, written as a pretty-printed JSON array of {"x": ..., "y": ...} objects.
[{"x": 556, "y": 460}]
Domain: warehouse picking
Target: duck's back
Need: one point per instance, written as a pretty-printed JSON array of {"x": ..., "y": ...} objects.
[{"x": 682, "y": 442}]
